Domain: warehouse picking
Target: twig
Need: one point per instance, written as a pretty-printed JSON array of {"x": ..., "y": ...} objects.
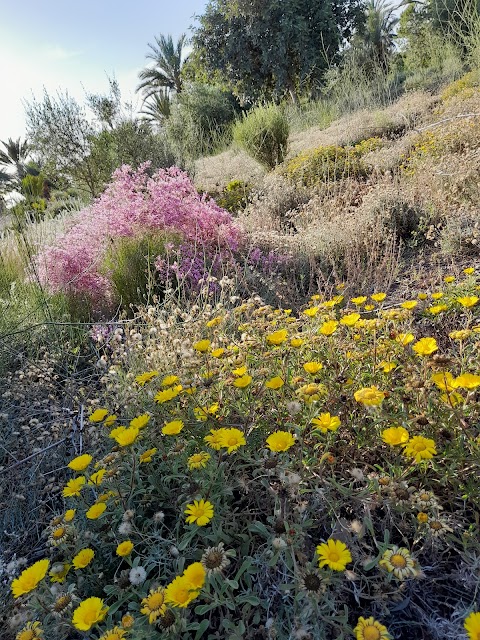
[
  {"x": 436, "y": 124},
  {"x": 33, "y": 455}
]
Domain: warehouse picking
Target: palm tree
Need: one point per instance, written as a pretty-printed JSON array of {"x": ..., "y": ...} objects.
[
  {"x": 166, "y": 72},
  {"x": 157, "y": 109},
  {"x": 15, "y": 156},
  {"x": 378, "y": 36}
]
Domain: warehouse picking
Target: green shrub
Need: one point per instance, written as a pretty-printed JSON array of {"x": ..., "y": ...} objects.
[
  {"x": 263, "y": 134},
  {"x": 324, "y": 164},
  {"x": 235, "y": 196},
  {"x": 131, "y": 267},
  {"x": 200, "y": 122}
]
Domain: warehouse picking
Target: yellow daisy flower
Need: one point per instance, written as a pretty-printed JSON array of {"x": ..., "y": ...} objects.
[
  {"x": 280, "y": 441},
  {"x": 334, "y": 554},
  {"x": 370, "y": 629},
  {"x": 29, "y": 579},
  {"x": 88, "y": 613},
  {"x": 199, "y": 512}
]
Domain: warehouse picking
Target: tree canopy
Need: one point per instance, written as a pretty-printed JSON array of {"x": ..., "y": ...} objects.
[{"x": 267, "y": 48}]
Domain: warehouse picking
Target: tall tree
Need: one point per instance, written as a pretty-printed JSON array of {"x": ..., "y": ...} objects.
[
  {"x": 166, "y": 72},
  {"x": 377, "y": 34},
  {"x": 268, "y": 48}
]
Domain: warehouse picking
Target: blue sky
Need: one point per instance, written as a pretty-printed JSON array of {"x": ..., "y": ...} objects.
[{"x": 61, "y": 44}]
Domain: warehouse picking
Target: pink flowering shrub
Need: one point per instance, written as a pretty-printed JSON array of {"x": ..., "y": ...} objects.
[{"x": 132, "y": 204}]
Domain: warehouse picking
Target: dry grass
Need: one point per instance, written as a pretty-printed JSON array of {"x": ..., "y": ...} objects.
[
  {"x": 406, "y": 113},
  {"x": 213, "y": 173}
]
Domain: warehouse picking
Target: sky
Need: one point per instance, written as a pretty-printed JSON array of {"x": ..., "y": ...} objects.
[{"x": 68, "y": 45}]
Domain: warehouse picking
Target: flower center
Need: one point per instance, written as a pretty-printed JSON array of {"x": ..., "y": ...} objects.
[
  {"x": 436, "y": 526},
  {"x": 232, "y": 442},
  {"x": 420, "y": 446},
  {"x": 182, "y": 595},
  {"x": 398, "y": 561},
  {"x": 91, "y": 616},
  {"x": 196, "y": 458},
  {"x": 312, "y": 582},
  {"x": 26, "y": 635},
  {"x": 200, "y": 512},
  {"x": 371, "y": 633},
  {"x": 62, "y": 603},
  {"x": 155, "y": 601},
  {"x": 334, "y": 556},
  {"x": 58, "y": 533},
  {"x": 214, "y": 560}
]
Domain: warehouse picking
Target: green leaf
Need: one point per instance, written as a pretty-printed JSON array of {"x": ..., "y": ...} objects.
[{"x": 203, "y": 626}]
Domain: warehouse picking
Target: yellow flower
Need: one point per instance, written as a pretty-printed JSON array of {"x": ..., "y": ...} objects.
[
  {"x": 202, "y": 413},
  {"x": 378, "y": 297},
  {"x": 124, "y": 436},
  {"x": 311, "y": 312},
  {"x": 243, "y": 381},
  {"x": 452, "y": 399},
  {"x": 466, "y": 381},
  {"x": 83, "y": 558},
  {"x": 195, "y": 574},
  {"x": 422, "y": 296},
  {"x": 128, "y": 621},
  {"x": 214, "y": 439},
  {"x": 117, "y": 633},
  {"x": 59, "y": 572},
  {"x": 146, "y": 456},
  {"x": 325, "y": 422},
  {"x": 214, "y": 322},
  {"x": 425, "y": 346},
  {"x": 31, "y": 631},
  {"x": 69, "y": 515},
  {"x": 350, "y": 319},
  {"x": 395, "y": 435},
  {"x": 73, "y": 487},
  {"x": 436, "y": 309},
  {"x": 468, "y": 271},
  {"x": 179, "y": 592},
  {"x": 313, "y": 367},
  {"x": 358, "y": 300},
  {"x": 277, "y": 337},
  {"x": 125, "y": 548},
  {"x": 80, "y": 462},
  {"x": 98, "y": 415},
  {"x": 280, "y": 441},
  {"x": 405, "y": 338},
  {"x": 328, "y": 328},
  {"x": 109, "y": 420},
  {"x": 409, "y": 304},
  {"x": 387, "y": 366},
  {"x": 200, "y": 512},
  {"x": 146, "y": 377},
  {"x": 398, "y": 561},
  {"x": 468, "y": 301},
  {"x": 218, "y": 353},
  {"x": 443, "y": 380},
  {"x": 140, "y": 421},
  {"x": 198, "y": 460},
  {"x": 369, "y": 307},
  {"x": 334, "y": 554},
  {"x": 296, "y": 342},
  {"x": 202, "y": 346},
  {"x": 168, "y": 394},
  {"x": 274, "y": 383},
  {"x": 370, "y": 629},
  {"x": 154, "y": 604},
  {"x": 422, "y": 517},
  {"x": 449, "y": 279},
  {"x": 169, "y": 381},
  {"x": 173, "y": 428},
  {"x": 88, "y": 613},
  {"x": 241, "y": 371},
  {"x": 437, "y": 296},
  {"x": 369, "y": 396},
  {"x": 29, "y": 579},
  {"x": 232, "y": 439},
  {"x": 97, "y": 477},
  {"x": 472, "y": 625},
  {"x": 96, "y": 510},
  {"x": 420, "y": 448}
]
